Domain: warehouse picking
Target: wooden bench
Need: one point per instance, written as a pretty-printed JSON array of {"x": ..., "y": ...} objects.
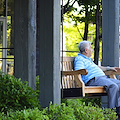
[{"x": 72, "y": 85}]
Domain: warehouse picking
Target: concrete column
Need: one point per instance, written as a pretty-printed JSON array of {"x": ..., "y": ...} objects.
[
  {"x": 110, "y": 36},
  {"x": 48, "y": 33},
  {"x": 25, "y": 41},
  {"x": 110, "y": 32},
  {"x": 32, "y": 43}
]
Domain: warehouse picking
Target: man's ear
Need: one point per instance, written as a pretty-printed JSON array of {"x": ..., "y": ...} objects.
[{"x": 85, "y": 50}]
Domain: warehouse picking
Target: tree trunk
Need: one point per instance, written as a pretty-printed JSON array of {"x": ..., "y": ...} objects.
[
  {"x": 97, "y": 40},
  {"x": 86, "y": 25},
  {"x": 85, "y": 32}
]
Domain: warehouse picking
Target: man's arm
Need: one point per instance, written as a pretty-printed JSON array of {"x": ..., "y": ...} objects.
[{"x": 109, "y": 68}]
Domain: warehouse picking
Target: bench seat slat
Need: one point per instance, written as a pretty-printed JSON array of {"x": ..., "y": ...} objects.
[{"x": 95, "y": 89}]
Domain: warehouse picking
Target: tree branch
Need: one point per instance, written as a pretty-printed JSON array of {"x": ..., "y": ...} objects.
[{"x": 67, "y": 7}]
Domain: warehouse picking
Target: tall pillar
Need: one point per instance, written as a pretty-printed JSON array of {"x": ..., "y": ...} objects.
[
  {"x": 110, "y": 32},
  {"x": 25, "y": 41},
  {"x": 48, "y": 34},
  {"x": 110, "y": 36}
]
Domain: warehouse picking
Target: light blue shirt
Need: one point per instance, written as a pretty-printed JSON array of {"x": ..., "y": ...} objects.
[{"x": 83, "y": 62}]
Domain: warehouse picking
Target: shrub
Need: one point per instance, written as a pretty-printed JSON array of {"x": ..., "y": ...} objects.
[
  {"x": 60, "y": 112},
  {"x": 29, "y": 114},
  {"x": 93, "y": 101},
  {"x": 19, "y": 102},
  {"x": 16, "y": 95},
  {"x": 83, "y": 112},
  {"x": 53, "y": 112},
  {"x": 37, "y": 86},
  {"x": 37, "y": 82}
]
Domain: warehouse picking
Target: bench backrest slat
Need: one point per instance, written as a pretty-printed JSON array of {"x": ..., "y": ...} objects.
[{"x": 67, "y": 65}]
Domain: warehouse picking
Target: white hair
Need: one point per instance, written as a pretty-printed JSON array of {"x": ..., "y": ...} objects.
[{"x": 83, "y": 45}]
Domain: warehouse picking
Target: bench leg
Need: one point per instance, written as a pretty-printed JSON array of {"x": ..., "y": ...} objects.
[{"x": 104, "y": 101}]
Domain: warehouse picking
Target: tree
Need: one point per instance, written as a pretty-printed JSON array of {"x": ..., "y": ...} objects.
[
  {"x": 88, "y": 7},
  {"x": 98, "y": 34},
  {"x": 91, "y": 10}
]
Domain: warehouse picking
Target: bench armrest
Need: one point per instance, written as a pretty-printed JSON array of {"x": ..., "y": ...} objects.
[
  {"x": 75, "y": 72},
  {"x": 111, "y": 72},
  {"x": 70, "y": 78}
]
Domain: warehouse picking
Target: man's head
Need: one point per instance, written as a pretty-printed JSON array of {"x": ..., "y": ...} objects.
[{"x": 85, "y": 48}]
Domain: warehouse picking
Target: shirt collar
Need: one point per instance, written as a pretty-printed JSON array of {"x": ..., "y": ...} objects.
[{"x": 84, "y": 56}]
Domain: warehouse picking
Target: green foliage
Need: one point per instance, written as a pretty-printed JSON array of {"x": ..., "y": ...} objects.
[
  {"x": 9, "y": 28},
  {"x": 37, "y": 82},
  {"x": 16, "y": 95},
  {"x": 19, "y": 102},
  {"x": 74, "y": 34},
  {"x": 92, "y": 101},
  {"x": 75, "y": 110},
  {"x": 29, "y": 114},
  {"x": 83, "y": 112},
  {"x": 54, "y": 112},
  {"x": 81, "y": 8},
  {"x": 60, "y": 112},
  {"x": 37, "y": 86},
  {"x": 83, "y": 12}
]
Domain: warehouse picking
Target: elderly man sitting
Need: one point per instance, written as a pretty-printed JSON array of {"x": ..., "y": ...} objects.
[{"x": 96, "y": 76}]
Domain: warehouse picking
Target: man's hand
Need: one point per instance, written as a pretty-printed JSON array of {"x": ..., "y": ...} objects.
[
  {"x": 116, "y": 69},
  {"x": 113, "y": 69}
]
